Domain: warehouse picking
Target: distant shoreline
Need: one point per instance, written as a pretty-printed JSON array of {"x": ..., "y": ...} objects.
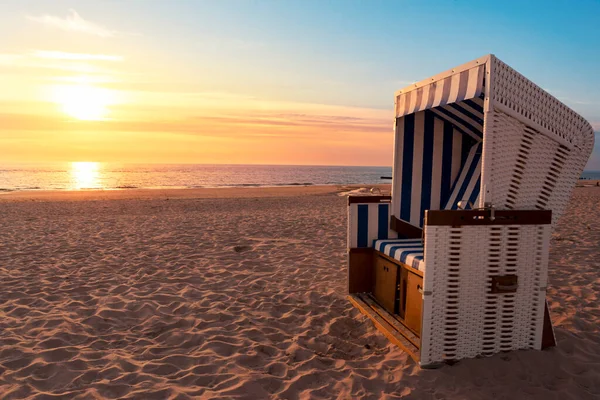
[
  {"x": 248, "y": 191},
  {"x": 242, "y": 185},
  {"x": 195, "y": 193}
]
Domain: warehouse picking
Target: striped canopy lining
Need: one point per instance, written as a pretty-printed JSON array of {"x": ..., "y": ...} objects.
[
  {"x": 467, "y": 84},
  {"x": 440, "y": 159}
]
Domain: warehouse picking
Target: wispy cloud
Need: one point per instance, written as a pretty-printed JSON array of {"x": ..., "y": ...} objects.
[
  {"x": 240, "y": 124},
  {"x": 58, "y": 60},
  {"x": 84, "y": 79},
  {"x": 61, "y": 55},
  {"x": 73, "y": 22}
]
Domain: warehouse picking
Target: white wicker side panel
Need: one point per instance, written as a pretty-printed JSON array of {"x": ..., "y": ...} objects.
[
  {"x": 530, "y": 177},
  {"x": 535, "y": 147},
  {"x": 502, "y": 139},
  {"x": 461, "y": 318},
  {"x": 561, "y": 187},
  {"x": 529, "y": 170},
  {"x": 515, "y": 94}
]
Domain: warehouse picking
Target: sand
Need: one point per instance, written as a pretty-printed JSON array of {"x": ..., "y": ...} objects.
[{"x": 240, "y": 293}]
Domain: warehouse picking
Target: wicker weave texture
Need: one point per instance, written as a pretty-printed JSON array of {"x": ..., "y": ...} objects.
[
  {"x": 527, "y": 169},
  {"x": 461, "y": 318},
  {"x": 535, "y": 147},
  {"x": 512, "y": 90}
]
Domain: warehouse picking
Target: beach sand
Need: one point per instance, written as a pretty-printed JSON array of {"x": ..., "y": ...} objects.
[{"x": 241, "y": 293}]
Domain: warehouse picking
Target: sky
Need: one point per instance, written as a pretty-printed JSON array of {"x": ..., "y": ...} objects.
[{"x": 262, "y": 82}]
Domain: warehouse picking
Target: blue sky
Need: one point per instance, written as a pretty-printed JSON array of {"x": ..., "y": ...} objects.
[{"x": 341, "y": 53}]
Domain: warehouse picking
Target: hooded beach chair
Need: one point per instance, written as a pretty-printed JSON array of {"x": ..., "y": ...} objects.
[{"x": 454, "y": 263}]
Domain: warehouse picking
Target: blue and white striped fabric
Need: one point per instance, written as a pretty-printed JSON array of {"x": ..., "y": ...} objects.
[
  {"x": 407, "y": 251},
  {"x": 455, "y": 88},
  {"x": 437, "y": 159},
  {"x": 468, "y": 183},
  {"x": 368, "y": 222}
]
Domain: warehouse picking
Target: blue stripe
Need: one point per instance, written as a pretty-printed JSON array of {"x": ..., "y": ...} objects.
[
  {"x": 393, "y": 250},
  {"x": 475, "y": 192},
  {"x": 475, "y": 131},
  {"x": 468, "y": 113},
  {"x": 407, "y": 162},
  {"x": 403, "y": 256},
  {"x": 404, "y": 252},
  {"x": 382, "y": 223},
  {"x": 363, "y": 226},
  {"x": 466, "y": 146},
  {"x": 407, "y": 253},
  {"x": 468, "y": 178},
  {"x": 474, "y": 106},
  {"x": 454, "y": 126},
  {"x": 427, "y": 165},
  {"x": 446, "y": 164}
]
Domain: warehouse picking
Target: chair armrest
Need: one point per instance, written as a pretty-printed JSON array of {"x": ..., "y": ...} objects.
[{"x": 368, "y": 220}]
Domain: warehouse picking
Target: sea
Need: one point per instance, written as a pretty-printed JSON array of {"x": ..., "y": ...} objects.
[{"x": 113, "y": 176}]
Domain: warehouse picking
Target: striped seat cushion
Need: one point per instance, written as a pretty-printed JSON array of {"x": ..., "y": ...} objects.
[{"x": 407, "y": 251}]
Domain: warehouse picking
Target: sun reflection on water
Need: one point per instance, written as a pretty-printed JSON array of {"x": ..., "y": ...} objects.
[{"x": 85, "y": 175}]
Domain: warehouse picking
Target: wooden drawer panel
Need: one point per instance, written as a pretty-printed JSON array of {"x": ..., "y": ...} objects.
[
  {"x": 414, "y": 302},
  {"x": 385, "y": 288}
]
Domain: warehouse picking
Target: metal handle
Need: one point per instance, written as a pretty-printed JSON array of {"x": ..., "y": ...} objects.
[{"x": 420, "y": 289}]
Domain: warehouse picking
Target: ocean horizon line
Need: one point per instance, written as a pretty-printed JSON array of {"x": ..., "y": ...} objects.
[{"x": 7, "y": 163}]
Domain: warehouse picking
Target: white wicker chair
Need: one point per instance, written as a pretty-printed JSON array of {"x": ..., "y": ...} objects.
[{"x": 454, "y": 263}]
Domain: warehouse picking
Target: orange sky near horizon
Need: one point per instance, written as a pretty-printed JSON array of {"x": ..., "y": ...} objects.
[
  {"x": 295, "y": 134},
  {"x": 268, "y": 82},
  {"x": 95, "y": 99}
]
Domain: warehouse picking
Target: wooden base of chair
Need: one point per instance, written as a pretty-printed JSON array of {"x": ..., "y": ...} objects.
[
  {"x": 387, "y": 291},
  {"x": 406, "y": 340},
  {"x": 387, "y": 324}
]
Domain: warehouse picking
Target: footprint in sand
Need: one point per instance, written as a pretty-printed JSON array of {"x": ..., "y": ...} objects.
[{"x": 241, "y": 249}]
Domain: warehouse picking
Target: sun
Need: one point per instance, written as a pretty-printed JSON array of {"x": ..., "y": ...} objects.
[{"x": 84, "y": 101}]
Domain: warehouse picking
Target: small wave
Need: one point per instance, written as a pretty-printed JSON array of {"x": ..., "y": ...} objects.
[
  {"x": 126, "y": 187},
  {"x": 7, "y": 190}
]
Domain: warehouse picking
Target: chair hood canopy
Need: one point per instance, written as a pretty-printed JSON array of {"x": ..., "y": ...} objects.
[
  {"x": 459, "y": 84},
  {"x": 444, "y": 152}
]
